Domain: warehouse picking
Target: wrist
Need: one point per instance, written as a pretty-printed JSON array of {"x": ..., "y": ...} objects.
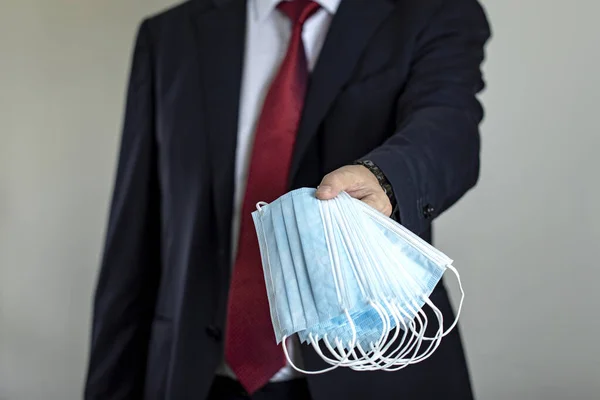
[{"x": 381, "y": 178}]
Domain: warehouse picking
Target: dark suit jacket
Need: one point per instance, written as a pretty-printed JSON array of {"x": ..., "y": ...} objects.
[{"x": 395, "y": 83}]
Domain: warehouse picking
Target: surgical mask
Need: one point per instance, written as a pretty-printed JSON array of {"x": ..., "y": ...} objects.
[{"x": 340, "y": 274}]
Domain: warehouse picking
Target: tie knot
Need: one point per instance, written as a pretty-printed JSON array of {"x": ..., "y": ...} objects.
[{"x": 298, "y": 11}]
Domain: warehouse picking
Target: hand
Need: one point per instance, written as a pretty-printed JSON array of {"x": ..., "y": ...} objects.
[{"x": 359, "y": 183}]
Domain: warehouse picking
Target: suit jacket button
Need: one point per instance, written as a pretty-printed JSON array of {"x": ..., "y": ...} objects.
[
  {"x": 428, "y": 211},
  {"x": 214, "y": 332}
]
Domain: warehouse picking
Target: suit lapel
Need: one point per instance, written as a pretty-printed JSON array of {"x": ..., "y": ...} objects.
[
  {"x": 220, "y": 34},
  {"x": 352, "y": 27}
]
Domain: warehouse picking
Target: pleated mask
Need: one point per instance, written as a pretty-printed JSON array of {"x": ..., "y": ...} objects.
[{"x": 339, "y": 274}]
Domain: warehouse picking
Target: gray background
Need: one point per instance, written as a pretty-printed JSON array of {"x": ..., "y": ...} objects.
[{"x": 525, "y": 240}]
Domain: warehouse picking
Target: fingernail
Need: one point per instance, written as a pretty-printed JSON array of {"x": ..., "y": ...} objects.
[{"x": 324, "y": 189}]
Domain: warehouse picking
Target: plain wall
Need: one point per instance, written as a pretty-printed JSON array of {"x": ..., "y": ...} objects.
[{"x": 524, "y": 240}]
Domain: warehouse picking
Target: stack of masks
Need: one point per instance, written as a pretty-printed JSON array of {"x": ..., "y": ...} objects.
[{"x": 342, "y": 275}]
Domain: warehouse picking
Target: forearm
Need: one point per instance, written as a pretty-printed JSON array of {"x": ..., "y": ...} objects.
[{"x": 432, "y": 159}]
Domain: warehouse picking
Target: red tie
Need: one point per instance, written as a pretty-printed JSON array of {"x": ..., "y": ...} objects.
[{"x": 250, "y": 347}]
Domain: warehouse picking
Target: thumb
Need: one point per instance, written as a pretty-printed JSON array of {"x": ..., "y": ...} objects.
[{"x": 333, "y": 183}]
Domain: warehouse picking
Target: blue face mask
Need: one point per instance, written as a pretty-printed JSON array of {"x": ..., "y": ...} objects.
[{"x": 341, "y": 275}]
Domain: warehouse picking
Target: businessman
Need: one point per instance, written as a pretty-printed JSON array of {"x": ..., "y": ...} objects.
[{"x": 232, "y": 102}]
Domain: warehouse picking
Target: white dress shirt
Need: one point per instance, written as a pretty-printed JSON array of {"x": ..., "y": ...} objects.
[{"x": 268, "y": 32}]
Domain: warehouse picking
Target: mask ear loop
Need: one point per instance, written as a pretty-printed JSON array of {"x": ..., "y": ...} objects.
[
  {"x": 425, "y": 317},
  {"x": 359, "y": 274},
  {"x": 350, "y": 236},
  {"x": 399, "y": 287},
  {"x": 402, "y": 317},
  {"x": 404, "y": 346},
  {"x": 367, "y": 361},
  {"x": 334, "y": 260},
  {"x": 350, "y": 247},
  {"x": 427, "y": 353},
  {"x": 344, "y": 358},
  {"x": 438, "y": 336},
  {"x": 381, "y": 347},
  {"x": 384, "y": 352},
  {"x": 385, "y": 334},
  {"x": 315, "y": 344},
  {"x": 460, "y": 304},
  {"x": 434, "y": 344},
  {"x": 360, "y": 348},
  {"x": 378, "y": 357},
  {"x": 351, "y": 362},
  {"x": 420, "y": 333},
  {"x": 329, "y": 208},
  {"x": 371, "y": 360},
  {"x": 425, "y": 248},
  {"x": 383, "y": 360},
  {"x": 415, "y": 329},
  {"x": 417, "y": 358}
]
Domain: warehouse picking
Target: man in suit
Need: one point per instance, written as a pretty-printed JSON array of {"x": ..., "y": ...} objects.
[{"x": 232, "y": 102}]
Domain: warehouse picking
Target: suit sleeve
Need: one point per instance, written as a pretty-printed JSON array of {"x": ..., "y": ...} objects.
[
  {"x": 129, "y": 274},
  {"x": 433, "y": 158}
]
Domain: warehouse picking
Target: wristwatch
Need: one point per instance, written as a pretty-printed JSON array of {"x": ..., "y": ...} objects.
[{"x": 383, "y": 181}]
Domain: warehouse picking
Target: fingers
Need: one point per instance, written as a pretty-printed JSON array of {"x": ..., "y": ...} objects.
[
  {"x": 371, "y": 200},
  {"x": 343, "y": 179},
  {"x": 380, "y": 203},
  {"x": 359, "y": 183}
]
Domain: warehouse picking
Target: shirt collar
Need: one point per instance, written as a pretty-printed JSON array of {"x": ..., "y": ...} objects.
[{"x": 263, "y": 8}]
